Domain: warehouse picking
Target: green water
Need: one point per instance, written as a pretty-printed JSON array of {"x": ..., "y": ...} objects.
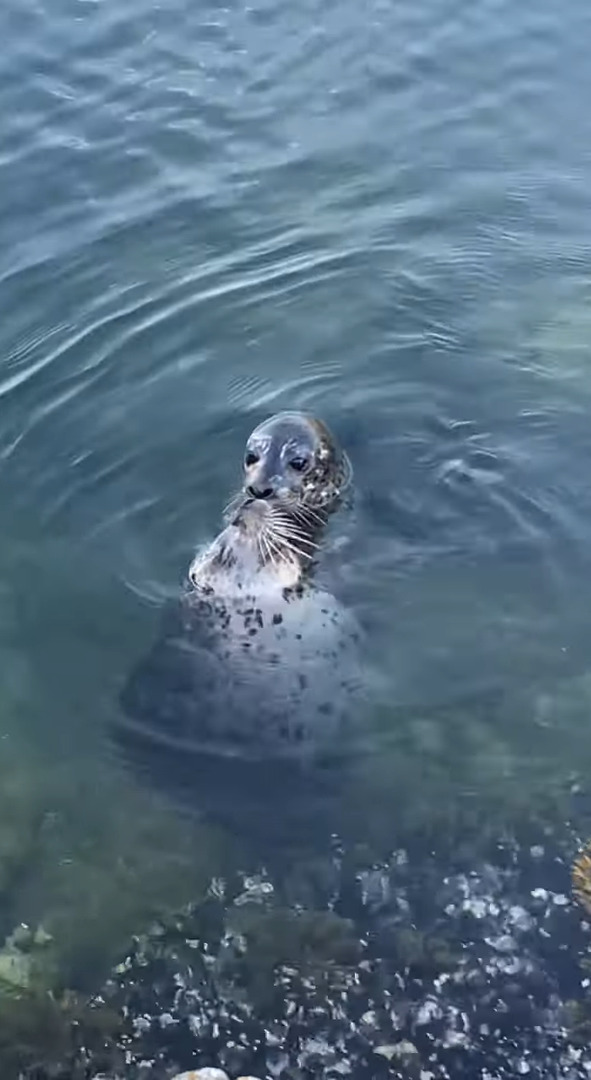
[{"x": 380, "y": 212}]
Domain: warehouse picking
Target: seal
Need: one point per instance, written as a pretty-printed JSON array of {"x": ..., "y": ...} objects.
[{"x": 257, "y": 660}]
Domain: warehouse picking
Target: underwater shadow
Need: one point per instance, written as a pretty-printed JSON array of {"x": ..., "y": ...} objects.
[{"x": 276, "y": 810}]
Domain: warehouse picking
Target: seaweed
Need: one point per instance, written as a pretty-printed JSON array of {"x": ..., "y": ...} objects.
[
  {"x": 47, "y": 1035},
  {"x": 315, "y": 943}
]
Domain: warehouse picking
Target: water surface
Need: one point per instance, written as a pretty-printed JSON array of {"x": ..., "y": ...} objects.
[{"x": 380, "y": 212}]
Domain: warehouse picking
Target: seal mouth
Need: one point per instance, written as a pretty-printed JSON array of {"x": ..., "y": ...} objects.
[
  {"x": 279, "y": 529},
  {"x": 243, "y": 503}
]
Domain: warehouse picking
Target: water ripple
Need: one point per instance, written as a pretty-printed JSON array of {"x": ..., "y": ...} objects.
[{"x": 381, "y": 213}]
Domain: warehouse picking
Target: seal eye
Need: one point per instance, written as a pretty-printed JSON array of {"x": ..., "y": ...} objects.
[
  {"x": 250, "y": 458},
  {"x": 299, "y": 464}
]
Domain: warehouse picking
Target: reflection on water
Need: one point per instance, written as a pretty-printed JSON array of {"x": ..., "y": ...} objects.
[{"x": 209, "y": 212}]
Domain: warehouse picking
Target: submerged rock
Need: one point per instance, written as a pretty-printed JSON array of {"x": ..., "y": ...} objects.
[
  {"x": 208, "y": 1074},
  {"x": 202, "y": 1074},
  {"x": 415, "y": 971},
  {"x": 416, "y": 968}
]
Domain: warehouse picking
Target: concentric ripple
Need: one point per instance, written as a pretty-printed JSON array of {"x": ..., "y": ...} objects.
[{"x": 380, "y": 212}]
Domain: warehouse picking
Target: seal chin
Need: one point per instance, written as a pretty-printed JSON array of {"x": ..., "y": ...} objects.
[
  {"x": 278, "y": 530},
  {"x": 251, "y": 515},
  {"x": 239, "y": 511}
]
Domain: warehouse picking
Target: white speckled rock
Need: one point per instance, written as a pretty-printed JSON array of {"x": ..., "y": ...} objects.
[
  {"x": 202, "y": 1074},
  {"x": 208, "y": 1074}
]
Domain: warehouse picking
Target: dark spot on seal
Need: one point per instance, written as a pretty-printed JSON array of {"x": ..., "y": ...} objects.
[{"x": 277, "y": 618}]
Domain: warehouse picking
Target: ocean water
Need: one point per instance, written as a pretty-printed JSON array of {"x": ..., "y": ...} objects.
[{"x": 379, "y": 212}]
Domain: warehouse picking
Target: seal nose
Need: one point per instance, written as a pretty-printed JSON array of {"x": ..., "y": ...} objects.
[{"x": 258, "y": 492}]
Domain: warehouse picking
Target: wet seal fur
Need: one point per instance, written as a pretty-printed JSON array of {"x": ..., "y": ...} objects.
[{"x": 258, "y": 661}]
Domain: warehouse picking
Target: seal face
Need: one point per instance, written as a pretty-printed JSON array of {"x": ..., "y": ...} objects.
[
  {"x": 294, "y": 458},
  {"x": 256, "y": 660}
]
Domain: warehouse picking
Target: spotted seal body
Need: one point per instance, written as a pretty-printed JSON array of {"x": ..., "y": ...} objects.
[{"x": 257, "y": 660}]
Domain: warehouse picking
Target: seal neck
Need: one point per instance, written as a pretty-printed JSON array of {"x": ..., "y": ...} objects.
[{"x": 265, "y": 546}]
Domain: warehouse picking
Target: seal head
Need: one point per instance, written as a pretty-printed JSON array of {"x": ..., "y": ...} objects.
[
  {"x": 294, "y": 476},
  {"x": 294, "y": 458}
]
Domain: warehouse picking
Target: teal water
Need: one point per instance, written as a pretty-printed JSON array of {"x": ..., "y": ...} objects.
[{"x": 379, "y": 212}]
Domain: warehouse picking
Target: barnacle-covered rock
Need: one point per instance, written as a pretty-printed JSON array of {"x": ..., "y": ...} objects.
[{"x": 418, "y": 969}]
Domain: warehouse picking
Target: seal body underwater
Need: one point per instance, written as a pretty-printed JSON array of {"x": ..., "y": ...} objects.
[{"x": 257, "y": 660}]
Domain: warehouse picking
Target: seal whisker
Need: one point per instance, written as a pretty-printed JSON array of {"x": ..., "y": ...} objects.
[
  {"x": 288, "y": 527},
  {"x": 297, "y": 538},
  {"x": 306, "y": 512},
  {"x": 276, "y": 546},
  {"x": 293, "y": 548},
  {"x": 278, "y": 527},
  {"x": 277, "y": 555},
  {"x": 287, "y": 534},
  {"x": 265, "y": 548},
  {"x": 286, "y": 531},
  {"x": 274, "y": 550},
  {"x": 294, "y": 518}
]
